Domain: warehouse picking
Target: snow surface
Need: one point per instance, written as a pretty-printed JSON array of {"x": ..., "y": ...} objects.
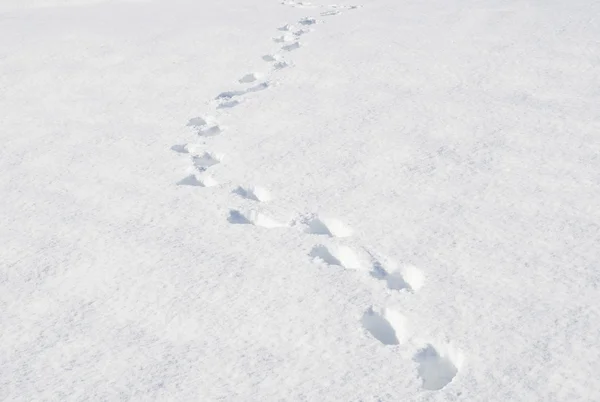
[{"x": 263, "y": 200}]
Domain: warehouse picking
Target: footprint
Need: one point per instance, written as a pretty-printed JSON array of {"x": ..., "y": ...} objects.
[
  {"x": 283, "y": 38},
  {"x": 280, "y": 64},
  {"x": 308, "y": 21},
  {"x": 386, "y": 325},
  {"x": 206, "y": 160},
  {"x": 327, "y": 226},
  {"x": 180, "y": 148},
  {"x": 301, "y": 32},
  {"x": 408, "y": 278},
  {"x": 229, "y": 94},
  {"x": 293, "y": 46},
  {"x": 250, "y": 77},
  {"x": 299, "y": 4},
  {"x": 198, "y": 181},
  {"x": 437, "y": 366},
  {"x": 198, "y": 122},
  {"x": 259, "y": 87},
  {"x": 343, "y": 256},
  {"x": 210, "y": 131},
  {"x": 271, "y": 57},
  {"x": 228, "y": 104},
  {"x": 286, "y": 28},
  {"x": 255, "y": 193},
  {"x": 330, "y": 13},
  {"x": 205, "y": 126},
  {"x": 253, "y": 218}
]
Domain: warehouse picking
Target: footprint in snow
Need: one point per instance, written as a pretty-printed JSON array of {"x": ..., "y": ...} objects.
[
  {"x": 205, "y": 127},
  {"x": 253, "y": 218},
  {"x": 298, "y": 4},
  {"x": 228, "y": 104},
  {"x": 327, "y": 226},
  {"x": 301, "y": 32},
  {"x": 284, "y": 38},
  {"x": 272, "y": 57},
  {"x": 206, "y": 160},
  {"x": 229, "y": 94},
  {"x": 386, "y": 325},
  {"x": 408, "y": 278},
  {"x": 342, "y": 256},
  {"x": 291, "y": 47},
  {"x": 250, "y": 77},
  {"x": 308, "y": 21},
  {"x": 437, "y": 366},
  {"x": 198, "y": 181},
  {"x": 259, "y": 87},
  {"x": 254, "y": 193}
]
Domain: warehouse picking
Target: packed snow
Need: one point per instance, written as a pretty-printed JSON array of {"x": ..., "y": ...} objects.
[{"x": 242, "y": 200}]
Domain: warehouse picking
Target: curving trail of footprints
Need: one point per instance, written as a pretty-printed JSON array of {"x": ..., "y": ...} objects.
[{"x": 437, "y": 363}]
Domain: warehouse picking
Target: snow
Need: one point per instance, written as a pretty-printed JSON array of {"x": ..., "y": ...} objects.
[{"x": 266, "y": 200}]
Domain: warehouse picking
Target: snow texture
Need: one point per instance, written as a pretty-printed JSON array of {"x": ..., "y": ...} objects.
[{"x": 281, "y": 200}]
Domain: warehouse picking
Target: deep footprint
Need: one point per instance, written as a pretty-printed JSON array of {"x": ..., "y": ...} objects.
[
  {"x": 408, "y": 278},
  {"x": 327, "y": 226},
  {"x": 292, "y": 47},
  {"x": 387, "y": 326},
  {"x": 206, "y": 160},
  {"x": 254, "y": 193},
  {"x": 437, "y": 368},
  {"x": 198, "y": 181},
  {"x": 342, "y": 256},
  {"x": 253, "y": 218}
]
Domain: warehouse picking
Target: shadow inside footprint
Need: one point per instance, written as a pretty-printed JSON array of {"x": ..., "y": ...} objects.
[
  {"x": 197, "y": 122},
  {"x": 293, "y": 46},
  {"x": 190, "y": 180},
  {"x": 435, "y": 370},
  {"x": 229, "y": 94},
  {"x": 321, "y": 252},
  {"x": 228, "y": 104},
  {"x": 260, "y": 87},
  {"x": 236, "y": 217},
  {"x": 379, "y": 327},
  {"x": 180, "y": 148}
]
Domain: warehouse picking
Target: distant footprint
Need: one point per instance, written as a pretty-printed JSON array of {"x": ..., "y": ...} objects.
[
  {"x": 281, "y": 64},
  {"x": 292, "y": 47},
  {"x": 198, "y": 181},
  {"x": 327, "y": 226},
  {"x": 283, "y": 38},
  {"x": 286, "y": 28},
  {"x": 228, "y": 104},
  {"x": 250, "y": 77},
  {"x": 387, "y": 326},
  {"x": 255, "y": 193},
  {"x": 437, "y": 366},
  {"x": 301, "y": 32},
  {"x": 206, "y": 160},
  {"x": 210, "y": 131},
  {"x": 408, "y": 278},
  {"x": 342, "y": 256},
  {"x": 308, "y": 21},
  {"x": 229, "y": 94},
  {"x": 259, "y": 87},
  {"x": 205, "y": 127},
  {"x": 271, "y": 57},
  {"x": 253, "y": 218}
]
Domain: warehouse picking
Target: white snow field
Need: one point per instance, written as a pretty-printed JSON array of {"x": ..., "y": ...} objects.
[{"x": 244, "y": 200}]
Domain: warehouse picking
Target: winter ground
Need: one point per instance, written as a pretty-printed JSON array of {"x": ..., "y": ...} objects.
[{"x": 403, "y": 207}]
